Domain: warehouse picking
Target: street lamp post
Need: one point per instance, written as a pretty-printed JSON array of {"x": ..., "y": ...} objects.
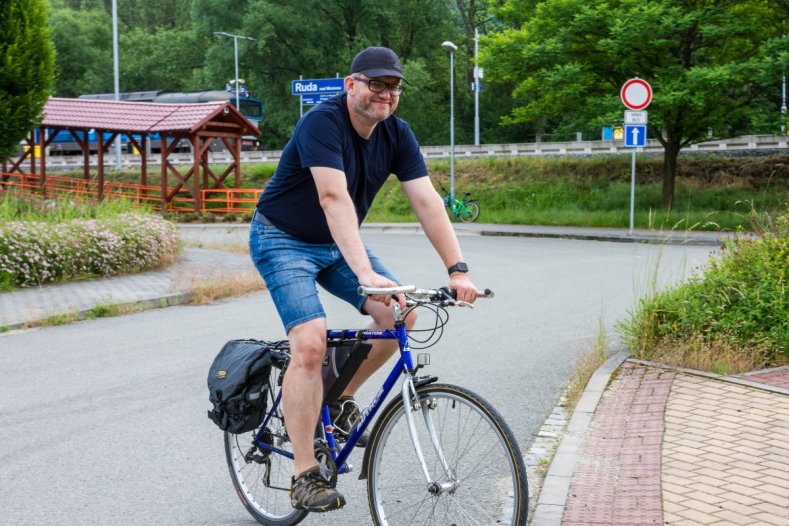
[
  {"x": 783, "y": 91},
  {"x": 235, "y": 48},
  {"x": 477, "y": 76},
  {"x": 116, "y": 74},
  {"x": 449, "y": 46}
]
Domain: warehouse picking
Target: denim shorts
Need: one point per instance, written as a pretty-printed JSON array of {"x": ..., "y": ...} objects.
[{"x": 291, "y": 268}]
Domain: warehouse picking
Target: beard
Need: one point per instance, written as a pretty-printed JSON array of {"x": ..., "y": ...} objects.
[{"x": 369, "y": 113}]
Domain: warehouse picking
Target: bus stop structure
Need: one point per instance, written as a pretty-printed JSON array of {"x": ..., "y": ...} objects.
[{"x": 199, "y": 124}]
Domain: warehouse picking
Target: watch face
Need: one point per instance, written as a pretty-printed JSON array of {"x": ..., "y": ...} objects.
[{"x": 458, "y": 267}]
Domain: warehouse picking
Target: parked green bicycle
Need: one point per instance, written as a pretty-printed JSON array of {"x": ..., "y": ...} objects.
[{"x": 467, "y": 210}]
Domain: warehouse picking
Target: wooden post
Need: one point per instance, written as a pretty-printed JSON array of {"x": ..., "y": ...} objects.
[
  {"x": 163, "y": 150},
  {"x": 100, "y": 147},
  {"x": 237, "y": 161},
  {"x": 85, "y": 155},
  {"x": 31, "y": 144},
  {"x": 196, "y": 161},
  {"x": 144, "y": 159},
  {"x": 42, "y": 146}
]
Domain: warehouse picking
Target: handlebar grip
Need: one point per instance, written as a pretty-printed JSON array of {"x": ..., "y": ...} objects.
[{"x": 487, "y": 293}]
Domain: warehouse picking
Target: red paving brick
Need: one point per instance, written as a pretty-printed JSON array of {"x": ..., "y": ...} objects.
[
  {"x": 617, "y": 475},
  {"x": 775, "y": 378},
  {"x": 680, "y": 449}
]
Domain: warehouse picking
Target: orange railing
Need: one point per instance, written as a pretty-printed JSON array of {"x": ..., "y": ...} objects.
[
  {"x": 221, "y": 200},
  {"x": 230, "y": 200}
]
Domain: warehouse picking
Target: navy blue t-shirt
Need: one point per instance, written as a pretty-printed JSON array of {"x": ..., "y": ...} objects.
[{"x": 324, "y": 137}]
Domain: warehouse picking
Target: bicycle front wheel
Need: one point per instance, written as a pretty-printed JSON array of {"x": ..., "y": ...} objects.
[
  {"x": 485, "y": 482},
  {"x": 261, "y": 477},
  {"x": 471, "y": 213}
]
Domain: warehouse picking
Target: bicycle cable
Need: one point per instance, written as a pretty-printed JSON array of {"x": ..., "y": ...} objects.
[{"x": 435, "y": 332}]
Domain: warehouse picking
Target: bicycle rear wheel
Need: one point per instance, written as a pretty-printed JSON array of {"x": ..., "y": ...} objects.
[
  {"x": 262, "y": 478},
  {"x": 471, "y": 213},
  {"x": 486, "y": 482}
]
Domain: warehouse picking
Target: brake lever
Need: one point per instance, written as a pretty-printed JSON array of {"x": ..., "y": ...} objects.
[{"x": 461, "y": 303}]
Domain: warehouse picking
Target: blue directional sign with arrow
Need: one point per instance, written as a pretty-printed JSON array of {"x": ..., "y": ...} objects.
[{"x": 635, "y": 135}]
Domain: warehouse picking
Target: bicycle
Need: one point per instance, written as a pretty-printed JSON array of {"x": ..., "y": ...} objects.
[
  {"x": 467, "y": 210},
  {"x": 458, "y": 463}
]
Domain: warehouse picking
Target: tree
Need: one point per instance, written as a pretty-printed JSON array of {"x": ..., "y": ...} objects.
[
  {"x": 26, "y": 69},
  {"x": 712, "y": 65},
  {"x": 166, "y": 59},
  {"x": 84, "y": 57},
  {"x": 320, "y": 38}
]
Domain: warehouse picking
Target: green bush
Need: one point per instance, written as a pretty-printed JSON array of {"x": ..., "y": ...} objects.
[
  {"x": 37, "y": 252},
  {"x": 741, "y": 298}
]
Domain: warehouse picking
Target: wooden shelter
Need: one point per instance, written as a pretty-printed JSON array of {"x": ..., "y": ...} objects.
[{"x": 200, "y": 124}]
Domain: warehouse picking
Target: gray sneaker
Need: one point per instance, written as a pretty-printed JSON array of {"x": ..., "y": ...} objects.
[{"x": 313, "y": 493}]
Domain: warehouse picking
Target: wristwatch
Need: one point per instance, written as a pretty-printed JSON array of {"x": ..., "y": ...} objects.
[{"x": 458, "y": 267}]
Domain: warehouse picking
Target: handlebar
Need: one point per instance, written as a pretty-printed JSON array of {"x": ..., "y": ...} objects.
[{"x": 442, "y": 294}]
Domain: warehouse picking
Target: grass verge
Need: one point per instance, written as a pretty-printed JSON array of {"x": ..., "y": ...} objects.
[
  {"x": 203, "y": 291},
  {"x": 199, "y": 291},
  {"x": 731, "y": 318},
  {"x": 585, "y": 366}
]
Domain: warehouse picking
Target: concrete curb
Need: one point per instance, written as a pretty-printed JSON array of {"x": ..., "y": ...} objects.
[
  {"x": 167, "y": 300},
  {"x": 553, "y": 496},
  {"x": 732, "y": 379},
  {"x": 692, "y": 238},
  {"x": 656, "y": 239}
]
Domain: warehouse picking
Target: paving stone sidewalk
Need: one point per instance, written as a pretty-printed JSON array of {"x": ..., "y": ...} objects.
[{"x": 674, "y": 448}]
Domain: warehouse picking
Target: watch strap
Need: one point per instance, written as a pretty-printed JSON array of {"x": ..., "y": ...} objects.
[{"x": 458, "y": 267}]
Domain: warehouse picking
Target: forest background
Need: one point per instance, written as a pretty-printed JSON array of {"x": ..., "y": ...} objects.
[
  {"x": 542, "y": 60},
  {"x": 553, "y": 68}
]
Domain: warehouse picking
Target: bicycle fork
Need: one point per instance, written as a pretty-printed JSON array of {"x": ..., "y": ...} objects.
[{"x": 411, "y": 404}]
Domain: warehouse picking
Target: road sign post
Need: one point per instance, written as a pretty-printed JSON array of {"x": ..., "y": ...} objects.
[{"x": 636, "y": 94}]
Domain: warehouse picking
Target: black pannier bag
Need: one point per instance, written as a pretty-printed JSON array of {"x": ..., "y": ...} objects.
[{"x": 238, "y": 383}]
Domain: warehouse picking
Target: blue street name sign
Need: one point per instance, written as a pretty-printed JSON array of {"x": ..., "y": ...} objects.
[
  {"x": 318, "y": 86},
  {"x": 635, "y": 135}
]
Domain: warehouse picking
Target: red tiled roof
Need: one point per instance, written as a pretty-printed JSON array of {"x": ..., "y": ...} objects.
[{"x": 139, "y": 117}]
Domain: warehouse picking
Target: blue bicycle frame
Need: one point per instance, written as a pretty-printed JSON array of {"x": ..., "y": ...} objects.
[{"x": 403, "y": 366}]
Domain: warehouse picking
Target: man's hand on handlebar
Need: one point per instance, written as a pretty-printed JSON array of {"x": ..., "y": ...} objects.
[
  {"x": 466, "y": 291},
  {"x": 376, "y": 280}
]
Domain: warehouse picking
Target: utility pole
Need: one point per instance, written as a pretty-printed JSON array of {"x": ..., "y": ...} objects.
[
  {"x": 449, "y": 46},
  {"x": 235, "y": 38},
  {"x": 117, "y": 76},
  {"x": 783, "y": 89},
  {"x": 477, "y": 76}
]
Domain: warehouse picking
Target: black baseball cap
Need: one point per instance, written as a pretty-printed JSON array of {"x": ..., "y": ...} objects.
[{"x": 377, "y": 61}]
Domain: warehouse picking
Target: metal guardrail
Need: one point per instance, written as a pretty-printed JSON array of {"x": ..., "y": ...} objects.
[{"x": 747, "y": 142}]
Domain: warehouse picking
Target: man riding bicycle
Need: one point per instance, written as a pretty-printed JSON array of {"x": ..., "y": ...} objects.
[{"x": 306, "y": 231}]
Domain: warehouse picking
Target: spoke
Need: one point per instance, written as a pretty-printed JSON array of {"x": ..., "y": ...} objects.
[{"x": 472, "y": 503}]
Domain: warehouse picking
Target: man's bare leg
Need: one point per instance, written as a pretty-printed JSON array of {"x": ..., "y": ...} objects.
[{"x": 302, "y": 389}]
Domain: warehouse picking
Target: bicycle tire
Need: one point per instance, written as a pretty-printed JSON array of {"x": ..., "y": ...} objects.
[
  {"x": 486, "y": 464},
  {"x": 268, "y": 503},
  {"x": 471, "y": 213}
]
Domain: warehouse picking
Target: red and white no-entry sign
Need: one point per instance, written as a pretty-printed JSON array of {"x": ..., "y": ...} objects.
[{"x": 636, "y": 94}]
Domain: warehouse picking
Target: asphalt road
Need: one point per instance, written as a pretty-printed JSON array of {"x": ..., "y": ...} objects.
[{"x": 103, "y": 422}]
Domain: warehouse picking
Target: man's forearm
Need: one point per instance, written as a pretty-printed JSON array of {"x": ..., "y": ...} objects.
[
  {"x": 439, "y": 231},
  {"x": 344, "y": 228}
]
